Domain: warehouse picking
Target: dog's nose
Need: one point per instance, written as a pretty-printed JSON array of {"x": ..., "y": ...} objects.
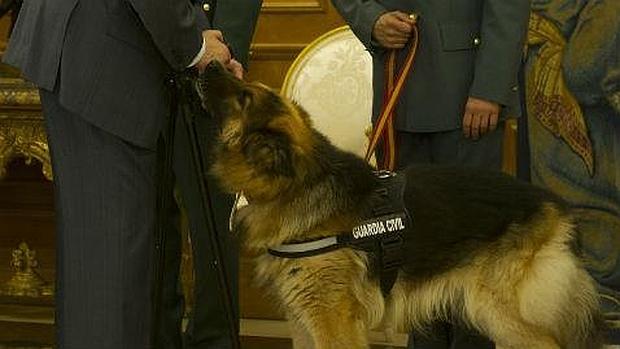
[{"x": 214, "y": 66}]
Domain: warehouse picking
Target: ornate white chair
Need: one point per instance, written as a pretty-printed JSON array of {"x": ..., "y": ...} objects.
[{"x": 332, "y": 79}]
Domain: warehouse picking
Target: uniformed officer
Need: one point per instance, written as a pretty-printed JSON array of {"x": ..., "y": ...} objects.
[{"x": 462, "y": 85}]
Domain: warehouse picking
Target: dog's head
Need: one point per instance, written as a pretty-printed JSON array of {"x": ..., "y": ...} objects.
[{"x": 265, "y": 139}]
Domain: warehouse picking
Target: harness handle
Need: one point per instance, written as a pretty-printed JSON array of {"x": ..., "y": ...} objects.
[{"x": 384, "y": 128}]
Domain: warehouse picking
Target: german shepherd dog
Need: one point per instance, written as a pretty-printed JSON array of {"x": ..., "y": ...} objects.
[{"x": 485, "y": 249}]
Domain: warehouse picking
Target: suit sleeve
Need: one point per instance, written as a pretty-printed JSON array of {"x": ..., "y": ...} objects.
[
  {"x": 361, "y": 16},
  {"x": 175, "y": 26},
  {"x": 236, "y": 19},
  {"x": 502, "y": 33}
]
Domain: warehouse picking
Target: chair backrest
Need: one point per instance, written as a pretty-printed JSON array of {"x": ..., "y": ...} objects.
[{"x": 332, "y": 80}]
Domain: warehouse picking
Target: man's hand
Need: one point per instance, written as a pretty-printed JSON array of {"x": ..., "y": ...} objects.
[
  {"x": 215, "y": 49},
  {"x": 393, "y": 29},
  {"x": 480, "y": 117},
  {"x": 235, "y": 68}
]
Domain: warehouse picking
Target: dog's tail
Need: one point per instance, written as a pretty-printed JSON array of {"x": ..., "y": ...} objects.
[
  {"x": 585, "y": 329},
  {"x": 578, "y": 322},
  {"x": 583, "y": 326},
  {"x": 596, "y": 336}
]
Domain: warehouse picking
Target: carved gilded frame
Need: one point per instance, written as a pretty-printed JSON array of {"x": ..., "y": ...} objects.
[{"x": 22, "y": 130}]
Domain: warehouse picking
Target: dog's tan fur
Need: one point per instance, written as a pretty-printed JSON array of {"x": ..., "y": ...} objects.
[
  {"x": 533, "y": 296},
  {"x": 525, "y": 290}
]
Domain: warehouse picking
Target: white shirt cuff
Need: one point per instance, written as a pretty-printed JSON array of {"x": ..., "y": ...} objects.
[{"x": 200, "y": 54}]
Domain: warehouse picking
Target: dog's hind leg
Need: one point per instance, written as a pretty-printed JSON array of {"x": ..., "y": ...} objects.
[
  {"x": 497, "y": 315},
  {"x": 509, "y": 332}
]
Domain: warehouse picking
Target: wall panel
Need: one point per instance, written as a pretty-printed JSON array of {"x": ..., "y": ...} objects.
[{"x": 284, "y": 28}]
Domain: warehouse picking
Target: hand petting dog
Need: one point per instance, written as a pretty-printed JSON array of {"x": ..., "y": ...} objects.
[{"x": 216, "y": 49}]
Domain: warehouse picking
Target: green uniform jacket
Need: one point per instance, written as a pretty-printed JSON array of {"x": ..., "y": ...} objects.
[{"x": 467, "y": 48}]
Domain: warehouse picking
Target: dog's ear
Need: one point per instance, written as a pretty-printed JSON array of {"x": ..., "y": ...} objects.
[{"x": 270, "y": 152}]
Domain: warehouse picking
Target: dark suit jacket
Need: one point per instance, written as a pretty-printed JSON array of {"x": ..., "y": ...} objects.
[
  {"x": 467, "y": 48},
  {"x": 109, "y": 60}
]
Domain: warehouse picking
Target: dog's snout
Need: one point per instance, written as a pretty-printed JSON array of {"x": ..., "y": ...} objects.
[
  {"x": 218, "y": 82},
  {"x": 213, "y": 66},
  {"x": 216, "y": 85}
]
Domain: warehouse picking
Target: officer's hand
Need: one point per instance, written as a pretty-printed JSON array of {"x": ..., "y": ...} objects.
[
  {"x": 480, "y": 117},
  {"x": 215, "y": 49},
  {"x": 236, "y": 68},
  {"x": 393, "y": 29}
]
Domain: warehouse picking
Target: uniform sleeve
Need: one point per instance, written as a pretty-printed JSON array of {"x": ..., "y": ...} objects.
[
  {"x": 361, "y": 15},
  {"x": 502, "y": 34},
  {"x": 175, "y": 26}
]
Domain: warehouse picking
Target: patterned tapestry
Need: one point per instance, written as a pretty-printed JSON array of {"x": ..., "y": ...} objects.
[{"x": 573, "y": 105}]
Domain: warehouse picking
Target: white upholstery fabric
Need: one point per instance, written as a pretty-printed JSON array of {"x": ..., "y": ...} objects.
[{"x": 332, "y": 80}]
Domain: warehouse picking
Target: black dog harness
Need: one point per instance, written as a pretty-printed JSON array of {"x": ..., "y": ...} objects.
[{"x": 381, "y": 235}]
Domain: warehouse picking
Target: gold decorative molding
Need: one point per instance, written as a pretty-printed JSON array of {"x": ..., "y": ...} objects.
[
  {"x": 288, "y": 6},
  {"x": 26, "y": 282},
  {"x": 22, "y": 131},
  {"x": 18, "y": 93},
  {"x": 277, "y": 52},
  {"x": 24, "y": 135}
]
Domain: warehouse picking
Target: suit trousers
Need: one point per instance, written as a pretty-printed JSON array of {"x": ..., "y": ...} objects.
[
  {"x": 105, "y": 197},
  {"x": 450, "y": 148},
  {"x": 105, "y": 200}
]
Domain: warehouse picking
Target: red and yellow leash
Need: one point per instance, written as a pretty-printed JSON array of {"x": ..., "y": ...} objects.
[{"x": 384, "y": 127}]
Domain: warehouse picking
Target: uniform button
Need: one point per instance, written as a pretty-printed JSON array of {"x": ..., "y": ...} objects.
[
  {"x": 515, "y": 88},
  {"x": 477, "y": 41},
  {"x": 206, "y": 7},
  {"x": 413, "y": 16}
]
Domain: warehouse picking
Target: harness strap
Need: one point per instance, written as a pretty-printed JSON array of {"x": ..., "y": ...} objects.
[
  {"x": 307, "y": 249},
  {"x": 380, "y": 236}
]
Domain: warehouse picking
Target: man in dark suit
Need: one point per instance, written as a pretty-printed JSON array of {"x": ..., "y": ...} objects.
[
  {"x": 463, "y": 83},
  {"x": 103, "y": 69}
]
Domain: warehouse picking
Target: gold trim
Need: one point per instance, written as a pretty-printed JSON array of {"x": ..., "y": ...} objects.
[
  {"x": 22, "y": 131},
  {"x": 286, "y": 85},
  {"x": 24, "y": 135},
  {"x": 269, "y": 52},
  {"x": 318, "y": 6},
  {"x": 26, "y": 282},
  {"x": 18, "y": 93}
]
